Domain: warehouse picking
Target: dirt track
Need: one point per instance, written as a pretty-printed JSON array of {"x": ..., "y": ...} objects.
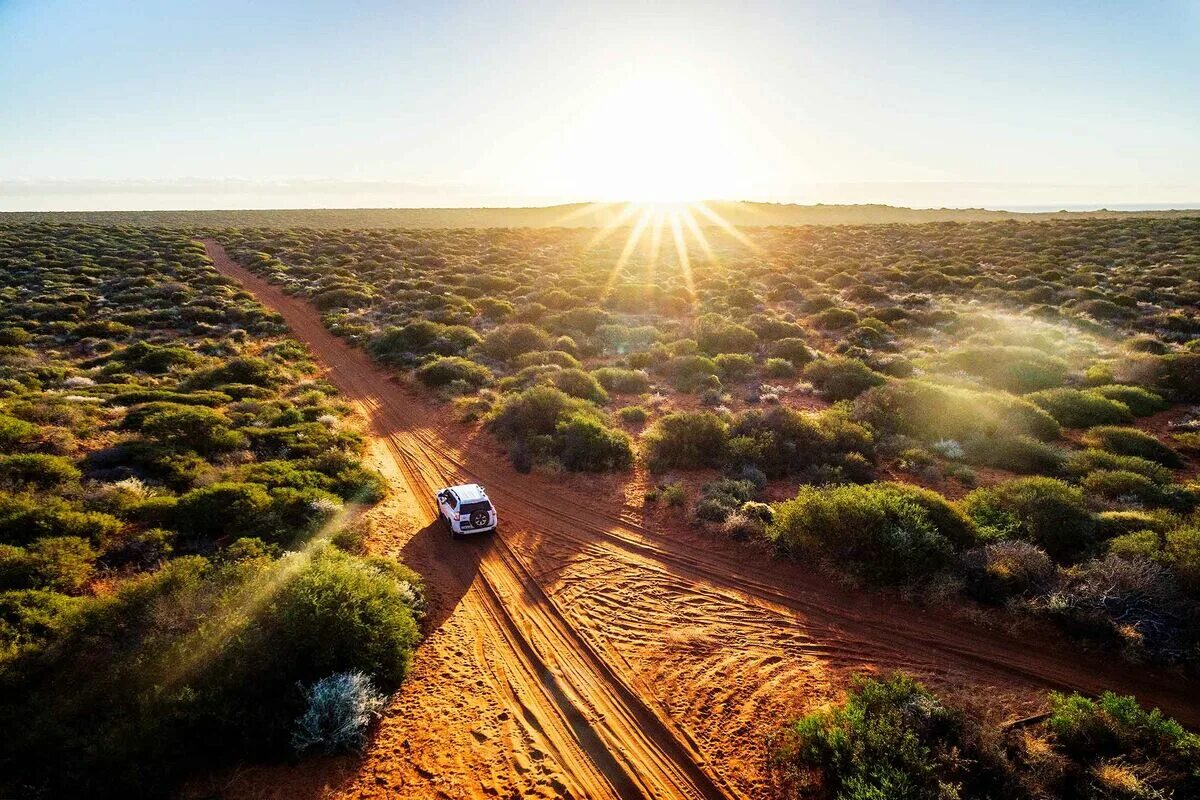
[{"x": 589, "y": 651}]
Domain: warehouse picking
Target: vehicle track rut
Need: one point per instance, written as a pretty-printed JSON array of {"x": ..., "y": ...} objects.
[{"x": 647, "y": 665}]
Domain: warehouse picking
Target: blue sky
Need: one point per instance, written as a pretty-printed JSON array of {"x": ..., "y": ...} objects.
[{"x": 258, "y": 104}]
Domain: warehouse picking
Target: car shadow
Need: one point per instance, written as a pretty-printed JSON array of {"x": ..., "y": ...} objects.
[{"x": 449, "y": 566}]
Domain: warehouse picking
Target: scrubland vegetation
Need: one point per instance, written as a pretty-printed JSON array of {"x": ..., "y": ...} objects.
[
  {"x": 894, "y": 738},
  {"x": 975, "y": 410},
  {"x": 181, "y": 581}
]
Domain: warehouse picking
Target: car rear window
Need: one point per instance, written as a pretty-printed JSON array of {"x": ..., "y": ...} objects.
[{"x": 471, "y": 508}]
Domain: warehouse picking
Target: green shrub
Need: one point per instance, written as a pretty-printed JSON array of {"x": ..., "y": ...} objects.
[
  {"x": 240, "y": 370},
  {"x": 933, "y": 412},
  {"x": 783, "y": 441},
  {"x": 225, "y": 509},
  {"x": 1077, "y": 409},
  {"x": 448, "y": 369},
  {"x": 1045, "y": 511},
  {"x": 1081, "y": 462},
  {"x": 1119, "y": 485},
  {"x": 511, "y": 340},
  {"x": 690, "y": 373},
  {"x": 15, "y": 433},
  {"x": 779, "y": 368},
  {"x": 791, "y": 349},
  {"x": 25, "y": 519},
  {"x": 890, "y": 739},
  {"x": 1132, "y": 442},
  {"x": 716, "y": 334},
  {"x": 1114, "y": 727},
  {"x": 623, "y": 381},
  {"x": 584, "y": 443},
  {"x": 840, "y": 378},
  {"x": 1118, "y": 523},
  {"x": 885, "y": 532},
  {"x": 1022, "y": 454},
  {"x": 182, "y": 657},
  {"x": 1142, "y": 402},
  {"x": 542, "y": 357},
  {"x": 633, "y": 415},
  {"x": 38, "y": 471},
  {"x": 402, "y": 345},
  {"x": 834, "y": 319},
  {"x": 578, "y": 383},
  {"x": 686, "y": 440},
  {"x": 193, "y": 428},
  {"x": 1016, "y": 369},
  {"x": 544, "y": 421},
  {"x": 60, "y": 564},
  {"x": 734, "y": 367}
]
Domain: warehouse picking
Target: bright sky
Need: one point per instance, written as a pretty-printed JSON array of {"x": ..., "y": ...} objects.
[{"x": 107, "y": 104}]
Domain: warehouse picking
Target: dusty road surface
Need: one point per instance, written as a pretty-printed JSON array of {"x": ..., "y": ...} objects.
[{"x": 586, "y": 651}]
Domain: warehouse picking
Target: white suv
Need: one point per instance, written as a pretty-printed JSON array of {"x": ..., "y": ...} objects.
[{"x": 466, "y": 509}]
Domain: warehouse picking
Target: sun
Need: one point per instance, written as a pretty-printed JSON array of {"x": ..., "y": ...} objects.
[{"x": 662, "y": 136}]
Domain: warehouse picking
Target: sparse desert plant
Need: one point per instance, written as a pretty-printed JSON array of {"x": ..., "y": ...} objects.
[{"x": 339, "y": 710}]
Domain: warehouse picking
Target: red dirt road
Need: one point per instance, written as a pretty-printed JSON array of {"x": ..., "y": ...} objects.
[{"x": 589, "y": 650}]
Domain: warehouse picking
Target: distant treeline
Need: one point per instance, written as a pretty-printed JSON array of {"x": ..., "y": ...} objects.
[{"x": 578, "y": 215}]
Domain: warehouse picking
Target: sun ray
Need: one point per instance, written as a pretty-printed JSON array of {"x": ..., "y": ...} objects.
[
  {"x": 607, "y": 229},
  {"x": 631, "y": 243},
  {"x": 726, "y": 226},
  {"x": 701, "y": 239},
  {"x": 681, "y": 250},
  {"x": 656, "y": 236}
]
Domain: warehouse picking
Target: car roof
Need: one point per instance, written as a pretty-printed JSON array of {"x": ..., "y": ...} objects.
[{"x": 466, "y": 492}]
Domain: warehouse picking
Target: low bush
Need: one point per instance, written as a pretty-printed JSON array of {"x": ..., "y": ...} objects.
[
  {"x": 783, "y": 441},
  {"x": 1141, "y": 402},
  {"x": 885, "y": 532},
  {"x": 1081, "y": 409},
  {"x": 1023, "y": 454},
  {"x": 511, "y": 340},
  {"x": 791, "y": 349},
  {"x": 404, "y": 345},
  {"x": 931, "y": 411},
  {"x": 840, "y": 378},
  {"x": 340, "y": 708},
  {"x": 545, "y": 422},
  {"x": 1124, "y": 487},
  {"x": 1132, "y": 442},
  {"x": 779, "y": 368},
  {"x": 734, "y": 367},
  {"x": 1044, "y": 511},
  {"x": 692, "y": 372},
  {"x": 1016, "y": 369},
  {"x": 623, "y": 381},
  {"x": 633, "y": 415},
  {"x": 37, "y": 471},
  {"x": 1000, "y": 571},
  {"x": 892, "y": 738},
  {"x": 578, "y": 383},
  {"x": 445, "y": 370},
  {"x": 1081, "y": 462},
  {"x": 177, "y": 671},
  {"x": 686, "y": 440},
  {"x": 583, "y": 443},
  {"x": 15, "y": 433}
]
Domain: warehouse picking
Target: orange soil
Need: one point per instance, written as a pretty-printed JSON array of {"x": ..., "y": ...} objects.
[{"x": 594, "y": 648}]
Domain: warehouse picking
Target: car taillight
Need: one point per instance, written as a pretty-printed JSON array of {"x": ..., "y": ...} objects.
[{"x": 457, "y": 516}]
